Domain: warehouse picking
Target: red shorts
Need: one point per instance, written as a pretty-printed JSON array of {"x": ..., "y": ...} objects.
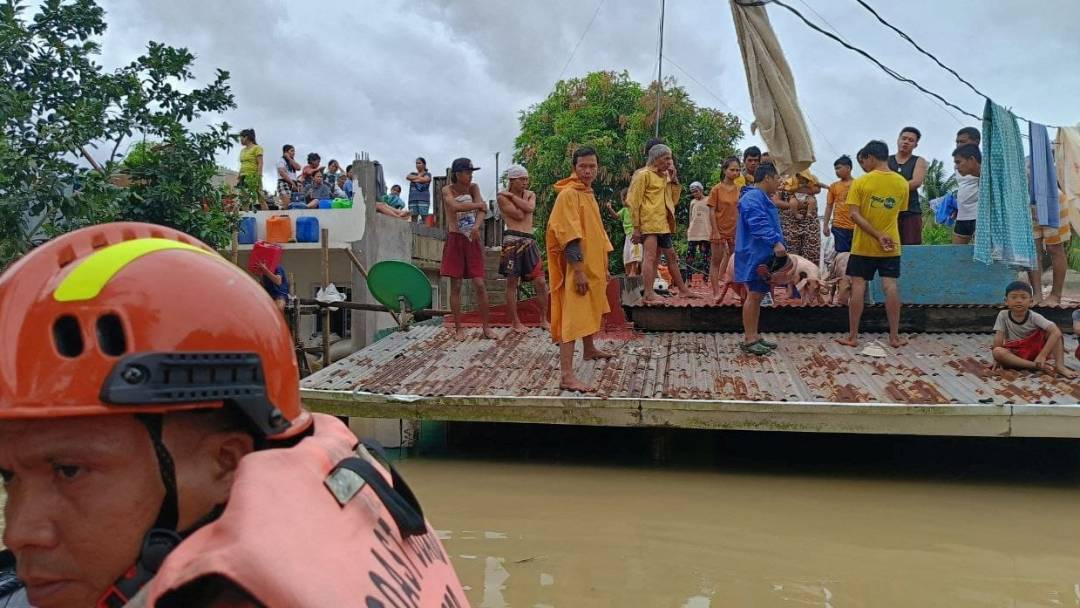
[
  {"x": 1029, "y": 347},
  {"x": 462, "y": 258}
]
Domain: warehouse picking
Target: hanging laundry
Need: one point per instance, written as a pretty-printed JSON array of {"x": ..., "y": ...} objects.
[
  {"x": 772, "y": 90},
  {"x": 1005, "y": 231},
  {"x": 1067, "y": 148},
  {"x": 1044, "y": 190}
]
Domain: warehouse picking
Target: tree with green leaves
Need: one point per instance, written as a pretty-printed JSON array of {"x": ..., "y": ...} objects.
[
  {"x": 616, "y": 115},
  {"x": 934, "y": 186},
  {"x": 65, "y": 120}
]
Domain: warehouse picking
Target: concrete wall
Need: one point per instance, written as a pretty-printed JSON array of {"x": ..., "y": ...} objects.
[
  {"x": 385, "y": 238},
  {"x": 946, "y": 274}
]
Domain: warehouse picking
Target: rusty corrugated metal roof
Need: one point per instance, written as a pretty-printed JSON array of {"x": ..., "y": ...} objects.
[{"x": 932, "y": 369}]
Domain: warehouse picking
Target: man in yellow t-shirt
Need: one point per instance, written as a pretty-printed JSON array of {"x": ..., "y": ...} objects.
[{"x": 874, "y": 202}]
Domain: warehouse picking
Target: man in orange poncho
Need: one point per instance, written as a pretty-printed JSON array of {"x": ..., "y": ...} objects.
[{"x": 577, "y": 249}]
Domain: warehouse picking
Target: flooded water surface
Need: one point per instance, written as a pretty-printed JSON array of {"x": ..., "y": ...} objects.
[{"x": 770, "y": 522}]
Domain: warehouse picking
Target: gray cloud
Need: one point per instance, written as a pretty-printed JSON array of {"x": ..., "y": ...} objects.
[{"x": 447, "y": 78}]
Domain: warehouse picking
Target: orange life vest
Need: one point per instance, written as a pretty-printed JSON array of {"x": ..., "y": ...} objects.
[{"x": 320, "y": 524}]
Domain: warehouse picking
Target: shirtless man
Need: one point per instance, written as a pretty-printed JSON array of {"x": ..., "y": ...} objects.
[
  {"x": 520, "y": 257},
  {"x": 463, "y": 255}
]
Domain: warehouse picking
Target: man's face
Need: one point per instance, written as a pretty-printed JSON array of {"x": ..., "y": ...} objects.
[
  {"x": 318, "y": 177},
  {"x": 752, "y": 163},
  {"x": 697, "y": 194},
  {"x": 313, "y": 163},
  {"x": 770, "y": 184},
  {"x": 962, "y": 139},
  {"x": 394, "y": 191},
  {"x": 519, "y": 184},
  {"x": 964, "y": 166},
  {"x": 866, "y": 163},
  {"x": 663, "y": 163},
  {"x": 907, "y": 142},
  {"x": 842, "y": 171},
  {"x": 586, "y": 167},
  {"x": 81, "y": 492}
]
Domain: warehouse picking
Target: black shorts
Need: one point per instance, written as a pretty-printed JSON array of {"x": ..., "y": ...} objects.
[
  {"x": 864, "y": 267},
  {"x": 663, "y": 241},
  {"x": 964, "y": 228}
]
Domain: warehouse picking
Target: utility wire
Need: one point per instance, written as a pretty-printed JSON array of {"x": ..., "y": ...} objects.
[
  {"x": 891, "y": 72},
  {"x": 599, "y": 5},
  {"x": 700, "y": 84},
  {"x": 931, "y": 55},
  {"x": 836, "y": 31}
]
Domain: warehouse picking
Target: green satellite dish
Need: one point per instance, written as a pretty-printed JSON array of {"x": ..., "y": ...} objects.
[{"x": 390, "y": 280}]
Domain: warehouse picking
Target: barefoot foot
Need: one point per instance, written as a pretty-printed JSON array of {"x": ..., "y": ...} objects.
[
  {"x": 897, "y": 342},
  {"x": 652, "y": 301},
  {"x": 597, "y": 353},
  {"x": 487, "y": 334},
  {"x": 849, "y": 341},
  {"x": 1065, "y": 372},
  {"x": 519, "y": 328},
  {"x": 574, "y": 385},
  {"x": 546, "y": 326}
]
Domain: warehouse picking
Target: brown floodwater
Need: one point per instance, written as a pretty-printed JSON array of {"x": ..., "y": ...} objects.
[
  {"x": 538, "y": 517},
  {"x": 756, "y": 519}
]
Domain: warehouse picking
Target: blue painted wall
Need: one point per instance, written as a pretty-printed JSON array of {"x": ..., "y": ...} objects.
[{"x": 946, "y": 274}]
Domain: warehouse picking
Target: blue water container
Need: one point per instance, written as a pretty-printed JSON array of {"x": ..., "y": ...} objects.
[
  {"x": 325, "y": 203},
  {"x": 248, "y": 232},
  {"x": 297, "y": 206},
  {"x": 307, "y": 229}
]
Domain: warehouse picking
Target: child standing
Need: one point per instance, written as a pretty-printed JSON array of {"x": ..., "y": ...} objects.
[
  {"x": 875, "y": 203},
  {"x": 724, "y": 202},
  {"x": 968, "y": 162},
  {"x": 836, "y": 209},
  {"x": 632, "y": 252},
  {"x": 1026, "y": 340},
  {"x": 699, "y": 232}
]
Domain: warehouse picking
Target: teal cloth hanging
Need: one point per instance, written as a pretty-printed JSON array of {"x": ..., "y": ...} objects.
[{"x": 1005, "y": 231}]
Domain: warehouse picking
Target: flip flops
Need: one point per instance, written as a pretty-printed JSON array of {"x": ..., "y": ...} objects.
[{"x": 757, "y": 349}]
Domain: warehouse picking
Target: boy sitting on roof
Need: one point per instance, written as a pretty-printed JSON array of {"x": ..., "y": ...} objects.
[{"x": 1024, "y": 339}]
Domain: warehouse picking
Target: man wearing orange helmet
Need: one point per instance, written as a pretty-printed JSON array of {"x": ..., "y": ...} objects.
[{"x": 156, "y": 455}]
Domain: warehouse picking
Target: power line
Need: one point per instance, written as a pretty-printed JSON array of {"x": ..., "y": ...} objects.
[
  {"x": 928, "y": 54},
  {"x": 891, "y": 72},
  {"x": 599, "y": 5},
  {"x": 700, "y": 84},
  {"x": 836, "y": 31}
]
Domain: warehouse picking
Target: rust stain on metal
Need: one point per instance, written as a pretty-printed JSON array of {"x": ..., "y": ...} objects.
[{"x": 933, "y": 369}]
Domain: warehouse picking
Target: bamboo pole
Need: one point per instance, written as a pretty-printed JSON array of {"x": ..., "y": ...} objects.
[
  {"x": 235, "y": 251},
  {"x": 363, "y": 272},
  {"x": 325, "y": 283}
]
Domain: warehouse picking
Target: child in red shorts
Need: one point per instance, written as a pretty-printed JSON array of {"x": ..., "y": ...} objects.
[{"x": 1027, "y": 340}]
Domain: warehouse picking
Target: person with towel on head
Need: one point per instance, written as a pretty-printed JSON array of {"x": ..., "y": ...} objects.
[{"x": 520, "y": 257}]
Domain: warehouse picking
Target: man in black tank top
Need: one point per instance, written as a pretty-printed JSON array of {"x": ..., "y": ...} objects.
[{"x": 913, "y": 169}]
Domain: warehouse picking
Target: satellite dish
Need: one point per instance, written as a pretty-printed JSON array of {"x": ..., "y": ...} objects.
[{"x": 391, "y": 280}]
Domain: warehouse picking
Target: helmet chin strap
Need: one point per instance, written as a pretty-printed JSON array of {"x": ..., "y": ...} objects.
[{"x": 163, "y": 537}]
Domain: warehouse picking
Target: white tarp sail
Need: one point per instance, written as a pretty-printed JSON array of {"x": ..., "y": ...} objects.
[{"x": 772, "y": 90}]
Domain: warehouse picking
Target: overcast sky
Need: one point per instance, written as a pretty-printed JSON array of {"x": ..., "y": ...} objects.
[{"x": 448, "y": 78}]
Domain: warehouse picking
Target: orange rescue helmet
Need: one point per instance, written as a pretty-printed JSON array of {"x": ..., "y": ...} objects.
[{"x": 132, "y": 318}]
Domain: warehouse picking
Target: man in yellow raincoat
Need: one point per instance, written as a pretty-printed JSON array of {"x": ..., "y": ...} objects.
[
  {"x": 577, "y": 249},
  {"x": 654, "y": 191}
]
